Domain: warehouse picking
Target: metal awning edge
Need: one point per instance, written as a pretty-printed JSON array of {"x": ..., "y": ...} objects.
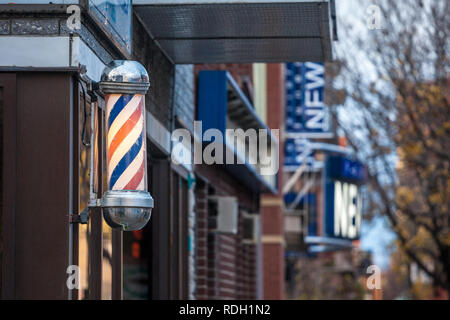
[{"x": 193, "y": 2}]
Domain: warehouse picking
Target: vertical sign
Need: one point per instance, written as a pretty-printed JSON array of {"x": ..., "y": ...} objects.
[
  {"x": 343, "y": 199},
  {"x": 306, "y": 114}
]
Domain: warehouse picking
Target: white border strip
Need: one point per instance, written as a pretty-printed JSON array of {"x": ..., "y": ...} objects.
[
  {"x": 169, "y": 2},
  {"x": 40, "y": 52}
]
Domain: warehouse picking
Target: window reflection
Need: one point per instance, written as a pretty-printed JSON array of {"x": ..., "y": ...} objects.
[
  {"x": 84, "y": 193},
  {"x": 107, "y": 232}
]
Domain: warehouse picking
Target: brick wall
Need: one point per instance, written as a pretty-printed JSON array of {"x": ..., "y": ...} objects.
[
  {"x": 272, "y": 205},
  {"x": 245, "y": 265},
  {"x": 226, "y": 267},
  {"x": 201, "y": 239},
  {"x": 226, "y": 185},
  {"x": 273, "y": 252}
]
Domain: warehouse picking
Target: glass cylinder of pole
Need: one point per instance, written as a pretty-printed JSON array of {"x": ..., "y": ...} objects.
[{"x": 125, "y": 141}]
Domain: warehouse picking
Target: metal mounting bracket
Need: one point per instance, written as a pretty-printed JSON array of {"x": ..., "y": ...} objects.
[{"x": 81, "y": 218}]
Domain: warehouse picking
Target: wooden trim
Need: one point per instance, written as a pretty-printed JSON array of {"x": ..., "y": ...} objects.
[
  {"x": 43, "y": 185},
  {"x": 8, "y": 83},
  {"x": 271, "y": 202},
  {"x": 160, "y": 222},
  {"x": 75, "y": 176},
  {"x": 173, "y": 255},
  {"x": 39, "y": 69},
  {"x": 272, "y": 239},
  {"x": 185, "y": 247},
  {"x": 96, "y": 221}
]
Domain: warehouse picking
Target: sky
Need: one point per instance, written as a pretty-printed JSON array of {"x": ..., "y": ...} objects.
[{"x": 376, "y": 235}]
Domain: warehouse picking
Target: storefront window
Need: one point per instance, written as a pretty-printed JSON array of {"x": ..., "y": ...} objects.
[
  {"x": 136, "y": 265},
  {"x": 95, "y": 239},
  {"x": 84, "y": 193}
]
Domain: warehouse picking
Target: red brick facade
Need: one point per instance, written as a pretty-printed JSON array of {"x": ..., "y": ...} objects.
[
  {"x": 272, "y": 205},
  {"x": 226, "y": 267}
]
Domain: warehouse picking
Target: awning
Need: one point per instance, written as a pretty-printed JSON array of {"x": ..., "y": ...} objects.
[
  {"x": 236, "y": 31},
  {"x": 221, "y": 105}
]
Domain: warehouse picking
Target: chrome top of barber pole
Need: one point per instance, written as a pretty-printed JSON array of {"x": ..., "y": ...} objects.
[
  {"x": 123, "y": 76},
  {"x": 127, "y": 204}
]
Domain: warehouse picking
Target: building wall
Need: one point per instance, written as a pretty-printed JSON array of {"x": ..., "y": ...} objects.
[
  {"x": 170, "y": 98},
  {"x": 201, "y": 240},
  {"x": 184, "y": 107},
  {"x": 37, "y": 183},
  {"x": 159, "y": 102},
  {"x": 272, "y": 205},
  {"x": 260, "y": 89},
  {"x": 272, "y": 248},
  {"x": 38, "y": 24},
  {"x": 160, "y": 97},
  {"x": 226, "y": 267}
]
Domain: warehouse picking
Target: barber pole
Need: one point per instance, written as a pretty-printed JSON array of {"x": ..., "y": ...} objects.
[{"x": 126, "y": 204}]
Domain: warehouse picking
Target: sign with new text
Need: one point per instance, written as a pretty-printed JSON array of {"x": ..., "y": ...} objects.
[
  {"x": 306, "y": 114},
  {"x": 343, "y": 199},
  {"x": 297, "y": 152}
]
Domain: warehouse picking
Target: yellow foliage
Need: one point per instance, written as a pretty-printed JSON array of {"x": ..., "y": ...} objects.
[
  {"x": 435, "y": 198},
  {"x": 405, "y": 195},
  {"x": 413, "y": 149},
  {"x": 445, "y": 238}
]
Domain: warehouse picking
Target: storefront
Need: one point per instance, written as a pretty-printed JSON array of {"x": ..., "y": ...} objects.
[
  {"x": 53, "y": 131},
  {"x": 50, "y": 91}
]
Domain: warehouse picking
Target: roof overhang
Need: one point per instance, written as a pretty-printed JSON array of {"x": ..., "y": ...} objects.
[{"x": 236, "y": 31}]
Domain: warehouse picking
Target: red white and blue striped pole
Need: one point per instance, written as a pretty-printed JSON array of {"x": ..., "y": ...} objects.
[
  {"x": 127, "y": 203},
  {"x": 126, "y": 141}
]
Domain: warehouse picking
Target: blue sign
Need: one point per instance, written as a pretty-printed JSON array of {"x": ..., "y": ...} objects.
[
  {"x": 306, "y": 114},
  {"x": 343, "y": 210},
  {"x": 343, "y": 200},
  {"x": 342, "y": 168},
  {"x": 296, "y": 152}
]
